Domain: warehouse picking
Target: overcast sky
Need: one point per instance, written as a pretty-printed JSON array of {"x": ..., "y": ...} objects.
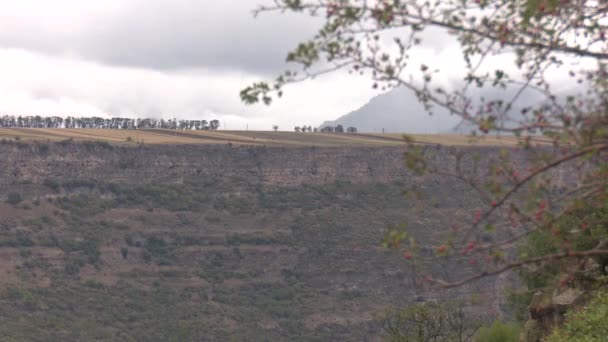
[{"x": 164, "y": 58}]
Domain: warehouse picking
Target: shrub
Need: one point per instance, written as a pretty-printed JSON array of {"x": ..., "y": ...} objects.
[
  {"x": 159, "y": 249},
  {"x": 52, "y": 184},
  {"x": 125, "y": 252},
  {"x": 236, "y": 240},
  {"x": 87, "y": 250},
  {"x": 498, "y": 332},
  {"x": 156, "y": 246},
  {"x": 213, "y": 218},
  {"x": 72, "y": 267},
  {"x": 129, "y": 240},
  {"x": 43, "y": 149},
  {"x": 439, "y": 322},
  {"x": 79, "y": 183},
  {"x": 22, "y": 146},
  {"x": 65, "y": 142},
  {"x": 81, "y": 206},
  {"x": 97, "y": 145},
  {"x": 94, "y": 284},
  {"x": 90, "y": 248},
  {"x": 14, "y": 198},
  {"x": 23, "y": 239},
  {"x": 49, "y": 241},
  {"x": 588, "y": 324}
]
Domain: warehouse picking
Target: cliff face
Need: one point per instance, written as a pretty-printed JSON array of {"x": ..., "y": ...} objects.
[
  {"x": 279, "y": 166},
  {"x": 210, "y": 242},
  {"x": 33, "y": 163}
]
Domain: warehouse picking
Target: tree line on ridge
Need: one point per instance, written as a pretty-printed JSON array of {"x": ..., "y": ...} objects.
[{"x": 9, "y": 121}]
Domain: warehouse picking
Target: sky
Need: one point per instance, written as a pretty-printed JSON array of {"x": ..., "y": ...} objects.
[
  {"x": 166, "y": 58},
  {"x": 160, "y": 58}
]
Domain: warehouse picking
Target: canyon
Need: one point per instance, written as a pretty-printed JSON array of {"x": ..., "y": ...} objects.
[{"x": 217, "y": 242}]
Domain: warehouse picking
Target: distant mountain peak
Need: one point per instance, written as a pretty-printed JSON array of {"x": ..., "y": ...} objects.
[{"x": 396, "y": 111}]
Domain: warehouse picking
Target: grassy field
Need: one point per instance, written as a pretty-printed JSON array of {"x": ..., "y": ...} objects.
[{"x": 285, "y": 139}]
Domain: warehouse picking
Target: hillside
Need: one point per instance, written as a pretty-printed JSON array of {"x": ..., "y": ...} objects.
[{"x": 210, "y": 242}]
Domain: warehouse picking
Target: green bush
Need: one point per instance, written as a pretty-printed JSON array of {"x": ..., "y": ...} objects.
[
  {"x": 65, "y": 142},
  {"x": 83, "y": 206},
  {"x": 52, "y": 184},
  {"x": 73, "y": 184},
  {"x": 430, "y": 321},
  {"x": 23, "y": 239},
  {"x": 90, "y": 249},
  {"x": 158, "y": 249},
  {"x": 43, "y": 149},
  {"x": 97, "y": 145},
  {"x": 589, "y": 324},
  {"x": 14, "y": 198},
  {"x": 156, "y": 246},
  {"x": 498, "y": 332},
  {"x": 86, "y": 250},
  {"x": 236, "y": 240},
  {"x": 72, "y": 267},
  {"x": 581, "y": 229},
  {"x": 171, "y": 197},
  {"x": 125, "y": 252}
]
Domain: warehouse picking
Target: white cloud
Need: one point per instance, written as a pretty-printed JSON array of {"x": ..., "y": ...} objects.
[
  {"x": 157, "y": 34},
  {"x": 35, "y": 83}
]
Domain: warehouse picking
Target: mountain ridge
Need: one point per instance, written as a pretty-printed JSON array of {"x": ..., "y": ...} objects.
[{"x": 396, "y": 111}]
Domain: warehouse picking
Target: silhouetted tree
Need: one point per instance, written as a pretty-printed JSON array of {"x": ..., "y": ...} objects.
[
  {"x": 214, "y": 125},
  {"x": 38, "y": 121}
]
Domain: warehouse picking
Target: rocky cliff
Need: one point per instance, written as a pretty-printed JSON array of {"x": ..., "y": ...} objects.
[
  {"x": 272, "y": 165},
  {"x": 206, "y": 243}
]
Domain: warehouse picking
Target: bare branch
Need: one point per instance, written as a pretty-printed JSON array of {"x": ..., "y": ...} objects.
[{"x": 557, "y": 256}]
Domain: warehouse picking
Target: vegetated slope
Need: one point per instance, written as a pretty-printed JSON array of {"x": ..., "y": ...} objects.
[
  {"x": 250, "y": 138},
  {"x": 210, "y": 243}
]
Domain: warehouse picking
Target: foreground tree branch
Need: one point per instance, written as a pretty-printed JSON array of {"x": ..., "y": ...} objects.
[
  {"x": 507, "y": 267},
  {"x": 563, "y": 134}
]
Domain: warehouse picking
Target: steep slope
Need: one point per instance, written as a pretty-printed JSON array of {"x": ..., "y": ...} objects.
[
  {"x": 396, "y": 111},
  {"x": 210, "y": 243}
]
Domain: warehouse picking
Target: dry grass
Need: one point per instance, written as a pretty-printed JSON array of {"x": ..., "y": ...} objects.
[{"x": 286, "y": 139}]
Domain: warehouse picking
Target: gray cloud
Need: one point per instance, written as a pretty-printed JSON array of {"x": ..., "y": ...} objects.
[
  {"x": 46, "y": 85},
  {"x": 178, "y": 58},
  {"x": 173, "y": 34}
]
